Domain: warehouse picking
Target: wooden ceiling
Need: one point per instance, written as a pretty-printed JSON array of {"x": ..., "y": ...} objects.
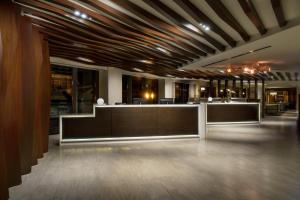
[{"x": 127, "y": 35}]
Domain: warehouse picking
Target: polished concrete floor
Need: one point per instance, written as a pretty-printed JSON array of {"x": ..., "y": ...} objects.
[{"x": 235, "y": 162}]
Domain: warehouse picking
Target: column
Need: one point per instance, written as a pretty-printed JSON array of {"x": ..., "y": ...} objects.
[
  {"x": 114, "y": 82},
  {"x": 241, "y": 88},
  {"x": 263, "y": 99},
  {"x": 75, "y": 90},
  {"x": 249, "y": 89},
  {"x": 255, "y": 89},
  {"x": 226, "y": 87},
  {"x": 103, "y": 87},
  {"x": 234, "y": 87},
  {"x": 219, "y": 88},
  {"x": 211, "y": 88}
]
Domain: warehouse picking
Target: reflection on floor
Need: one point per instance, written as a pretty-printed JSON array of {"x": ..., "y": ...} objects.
[{"x": 235, "y": 162}]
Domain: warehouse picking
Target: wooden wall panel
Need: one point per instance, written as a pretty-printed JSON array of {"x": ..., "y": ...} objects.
[
  {"x": 3, "y": 181},
  {"x": 24, "y": 96},
  {"x": 46, "y": 91},
  {"x": 10, "y": 87},
  {"x": 28, "y": 88}
]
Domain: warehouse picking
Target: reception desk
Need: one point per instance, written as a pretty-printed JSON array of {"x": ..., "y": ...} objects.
[
  {"x": 127, "y": 122},
  {"x": 232, "y": 113}
]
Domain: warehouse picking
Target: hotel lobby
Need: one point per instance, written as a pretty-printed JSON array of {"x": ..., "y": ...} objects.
[{"x": 149, "y": 99}]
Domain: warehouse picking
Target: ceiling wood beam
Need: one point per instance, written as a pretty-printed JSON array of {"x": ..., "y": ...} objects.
[
  {"x": 143, "y": 27},
  {"x": 281, "y": 76},
  {"x": 277, "y": 8},
  {"x": 273, "y": 75},
  {"x": 181, "y": 22},
  {"x": 200, "y": 17},
  {"x": 288, "y": 75},
  {"x": 252, "y": 14},
  {"x": 227, "y": 17},
  {"x": 198, "y": 47},
  {"x": 146, "y": 36}
]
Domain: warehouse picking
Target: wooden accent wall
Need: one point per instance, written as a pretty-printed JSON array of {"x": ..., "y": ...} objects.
[{"x": 24, "y": 96}]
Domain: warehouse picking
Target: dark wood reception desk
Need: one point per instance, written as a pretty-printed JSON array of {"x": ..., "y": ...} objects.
[
  {"x": 235, "y": 112},
  {"x": 124, "y": 122}
]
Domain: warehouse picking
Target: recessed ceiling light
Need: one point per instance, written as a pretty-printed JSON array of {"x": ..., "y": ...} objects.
[
  {"x": 168, "y": 75},
  {"x": 236, "y": 76},
  {"x": 137, "y": 69},
  {"x": 161, "y": 49},
  {"x": 85, "y": 59},
  {"x": 83, "y": 16},
  {"x": 192, "y": 27},
  {"x": 205, "y": 27},
  {"x": 77, "y": 13},
  {"x": 181, "y": 70},
  {"x": 146, "y": 61}
]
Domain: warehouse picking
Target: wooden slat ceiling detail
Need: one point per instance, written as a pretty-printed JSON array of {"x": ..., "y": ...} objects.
[
  {"x": 296, "y": 76},
  {"x": 277, "y": 8},
  {"x": 127, "y": 35},
  {"x": 252, "y": 14}
]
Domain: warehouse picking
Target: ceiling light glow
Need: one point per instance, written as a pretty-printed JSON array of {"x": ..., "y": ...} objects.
[
  {"x": 138, "y": 70},
  {"x": 83, "y": 16},
  {"x": 85, "y": 59},
  {"x": 162, "y": 49},
  {"x": 77, "y": 13},
  {"x": 146, "y": 61},
  {"x": 192, "y": 27},
  {"x": 205, "y": 27}
]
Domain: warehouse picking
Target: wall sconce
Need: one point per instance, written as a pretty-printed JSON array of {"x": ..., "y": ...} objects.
[{"x": 149, "y": 95}]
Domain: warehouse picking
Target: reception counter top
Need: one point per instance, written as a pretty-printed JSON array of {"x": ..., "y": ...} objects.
[
  {"x": 232, "y": 113},
  {"x": 127, "y": 122}
]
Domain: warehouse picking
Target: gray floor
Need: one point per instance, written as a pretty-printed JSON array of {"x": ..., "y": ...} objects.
[{"x": 235, "y": 162}]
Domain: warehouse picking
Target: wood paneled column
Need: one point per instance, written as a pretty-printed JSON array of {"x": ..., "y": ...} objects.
[
  {"x": 226, "y": 87},
  {"x": 219, "y": 88},
  {"x": 211, "y": 88},
  {"x": 241, "y": 88},
  {"x": 263, "y": 98},
  {"x": 249, "y": 89},
  {"x": 234, "y": 87},
  {"x": 255, "y": 89}
]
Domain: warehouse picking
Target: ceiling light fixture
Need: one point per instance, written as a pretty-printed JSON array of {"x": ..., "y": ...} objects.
[
  {"x": 205, "y": 27},
  {"x": 248, "y": 69},
  {"x": 77, "y": 13},
  {"x": 192, "y": 27},
  {"x": 83, "y": 16},
  {"x": 181, "y": 70},
  {"x": 146, "y": 61},
  {"x": 162, "y": 50},
  {"x": 168, "y": 75},
  {"x": 137, "y": 69},
  {"x": 85, "y": 59}
]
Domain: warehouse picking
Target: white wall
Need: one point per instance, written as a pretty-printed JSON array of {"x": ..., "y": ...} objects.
[
  {"x": 169, "y": 88},
  {"x": 103, "y": 87},
  {"x": 114, "y": 82}
]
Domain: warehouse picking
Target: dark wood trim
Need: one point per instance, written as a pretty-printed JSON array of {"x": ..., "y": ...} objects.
[
  {"x": 277, "y": 8},
  {"x": 227, "y": 17},
  {"x": 252, "y": 14}
]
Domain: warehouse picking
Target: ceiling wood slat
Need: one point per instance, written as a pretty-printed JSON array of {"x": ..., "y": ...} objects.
[
  {"x": 181, "y": 22},
  {"x": 200, "y": 17},
  {"x": 252, "y": 14},
  {"x": 281, "y": 76},
  {"x": 155, "y": 21},
  {"x": 227, "y": 17},
  {"x": 277, "y": 8}
]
